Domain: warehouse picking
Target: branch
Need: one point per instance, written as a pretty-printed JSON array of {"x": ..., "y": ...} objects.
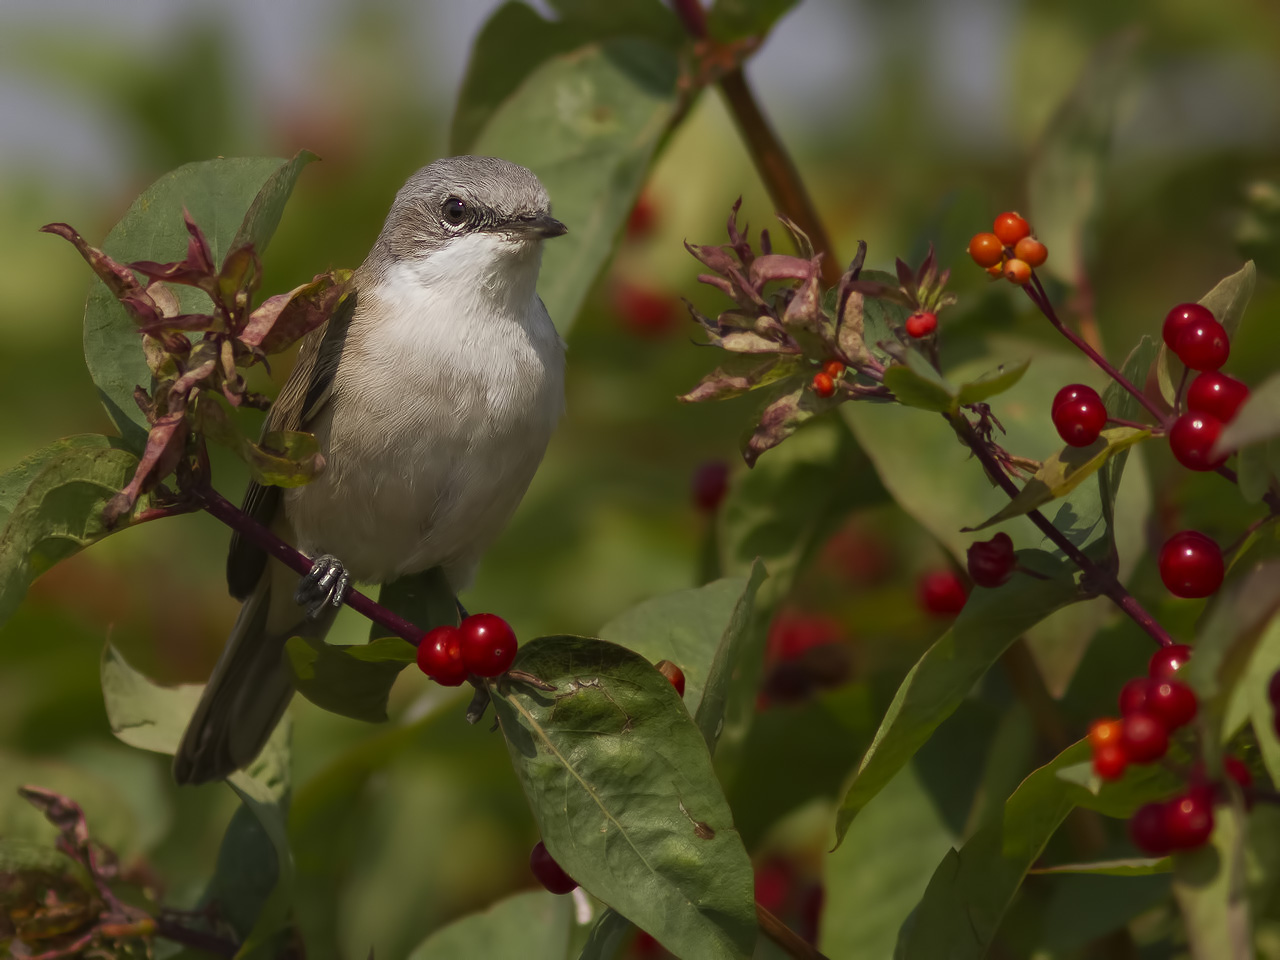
[{"x": 791, "y": 942}]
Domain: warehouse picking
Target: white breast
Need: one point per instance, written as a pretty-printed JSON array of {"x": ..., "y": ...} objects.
[{"x": 449, "y": 387}]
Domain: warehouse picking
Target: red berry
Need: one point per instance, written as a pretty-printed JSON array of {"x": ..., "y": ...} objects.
[
  {"x": 773, "y": 884},
  {"x": 1148, "y": 829},
  {"x": 488, "y": 644},
  {"x": 1188, "y": 819},
  {"x": 1102, "y": 732},
  {"x": 1080, "y": 421},
  {"x": 1143, "y": 737},
  {"x": 710, "y": 484},
  {"x": 941, "y": 593},
  {"x": 823, "y": 385},
  {"x": 1191, "y": 438},
  {"x": 644, "y": 312},
  {"x": 1166, "y": 661},
  {"x": 641, "y": 220},
  {"x": 1074, "y": 392},
  {"x": 1181, "y": 316},
  {"x": 1273, "y": 691},
  {"x": 672, "y": 673},
  {"x": 833, "y": 368},
  {"x": 1171, "y": 702},
  {"x": 986, "y": 249},
  {"x": 1031, "y": 251},
  {"x": 1133, "y": 695},
  {"x": 1191, "y": 565},
  {"x": 440, "y": 656},
  {"x": 922, "y": 324},
  {"x": 1017, "y": 271},
  {"x": 1011, "y": 228},
  {"x": 1109, "y": 761},
  {"x": 794, "y": 633},
  {"x": 1235, "y": 769},
  {"x": 1217, "y": 395},
  {"x": 1203, "y": 345},
  {"x": 991, "y": 562},
  {"x": 549, "y": 873}
]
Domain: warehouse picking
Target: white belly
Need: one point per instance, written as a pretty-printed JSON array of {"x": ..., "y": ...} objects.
[{"x": 432, "y": 434}]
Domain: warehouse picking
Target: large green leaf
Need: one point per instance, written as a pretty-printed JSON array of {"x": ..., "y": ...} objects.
[
  {"x": 620, "y": 781},
  {"x": 59, "y": 511},
  {"x": 526, "y": 926},
  {"x": 940, "y": 680},
  {"x": 1209, "y": 884},
  {"x": 230, "y": 198},
  {"x": 588, "y": 122},
  {"x": 354, "y": 681},
  {"x": 424, "y": 599},
  {"x": 1064, "y": 182}
]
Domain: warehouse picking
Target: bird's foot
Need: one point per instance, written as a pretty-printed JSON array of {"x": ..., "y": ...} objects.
[{"x": 324, "y": 585}]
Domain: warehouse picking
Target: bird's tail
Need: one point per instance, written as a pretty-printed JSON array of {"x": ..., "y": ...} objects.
[{"x": 251, "y": 685}]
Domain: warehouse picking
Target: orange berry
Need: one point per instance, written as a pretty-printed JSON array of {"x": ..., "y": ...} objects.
[
  {"x": 1104, "y": 731},
  {"x": 833, "y": 368},
  {"x": 1011, "y": 228},
  {"x": 986, "y": 249},
  {"x": 823, "y": 385},
  {"x": 1031, "y": 251},
  {"x": 1017, "y": 271}
]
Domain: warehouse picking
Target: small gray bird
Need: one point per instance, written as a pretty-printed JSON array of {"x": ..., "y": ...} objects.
[{"x": 433, "y": 392}]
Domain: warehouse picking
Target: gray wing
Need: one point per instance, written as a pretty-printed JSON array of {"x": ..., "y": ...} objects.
[{"x": 304, "y": 395}]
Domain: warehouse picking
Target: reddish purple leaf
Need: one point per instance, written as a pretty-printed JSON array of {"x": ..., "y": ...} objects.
[
  {"x": 118, "y": 278},
  {"x": 165, "y": 444},
  {"x": 780, "y": 419},
  {"x": 779, "y": 266},
  {"x": 283, "y": 319}
]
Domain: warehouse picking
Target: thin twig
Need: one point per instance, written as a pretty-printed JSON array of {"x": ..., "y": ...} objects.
[{"x": 790, "y": 941}]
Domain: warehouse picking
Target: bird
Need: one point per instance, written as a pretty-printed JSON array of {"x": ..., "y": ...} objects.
[{"x": 432, "y": 391}]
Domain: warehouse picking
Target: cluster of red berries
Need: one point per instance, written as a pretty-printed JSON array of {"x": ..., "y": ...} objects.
[
  {"x": 483, "y": 644},
  {"x": 824, "y": 381},
  {"x": 1200, "y": 342},
  {"x": 1009, "y": 251}
]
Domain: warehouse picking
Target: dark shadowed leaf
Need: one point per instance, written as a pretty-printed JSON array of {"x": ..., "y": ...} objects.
[
  {"x": 353, "y": 681},
  {"x": 620, "y": 781},
  {"x": 736, "y": 19},
  {"x": 781, "y": 418},
  {"x": 60, "y": 511},
  {"x": 608, "y": 936},
  {"x": 526, "y": 926},
  {"x": 218, "y": 194},
  {"x": 424, "y": 599}
]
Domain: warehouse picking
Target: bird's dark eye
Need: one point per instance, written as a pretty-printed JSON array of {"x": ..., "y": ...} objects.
[{"x": 454, "y": 211}]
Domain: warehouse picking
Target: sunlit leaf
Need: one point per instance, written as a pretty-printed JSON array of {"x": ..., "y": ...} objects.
[
  {"x": 1209, "y": 885},
  {"x": 1139, "y": 867},
  {"x": 916, "y": 390},
  {"x": 992, "y": 383}
]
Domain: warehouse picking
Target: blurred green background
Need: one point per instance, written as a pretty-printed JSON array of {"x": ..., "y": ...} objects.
[{"x": 911, "y": 122}]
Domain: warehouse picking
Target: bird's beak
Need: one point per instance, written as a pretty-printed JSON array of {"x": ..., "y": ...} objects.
[{"x": 541, "y": 227}]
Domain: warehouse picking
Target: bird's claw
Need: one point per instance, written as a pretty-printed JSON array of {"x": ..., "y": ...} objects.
[{"x": 325, "y": 584}]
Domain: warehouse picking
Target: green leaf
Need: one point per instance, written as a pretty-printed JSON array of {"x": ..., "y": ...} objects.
[
  {"x": 1209, "y": 885},
  {"x": 59, "y": 512},
  {"x": 343, "y": 681},
  {"x": 1138, "y": 867},
  {"x": 1257, "y": 420},
  {"x": 729, "y": 20},
  {"x": 943, "y": 676},
  {"x": 526, "y": 926},
  {"x": 1251, "y": 701},
  {"x": 1064, "y": 471},
  {"x": 992, "y": 383},
  {"x": 424, "y": 599},
  {"x": 15, "y": 480},
  {"x": 621, "y": 784},
  {"x": 228, "y": 198},
  {"x": 142, "y": 713},
  {"x": 1140, "y": 784},
  {"x": 917, "y": 390},
  {"x": 1227, "y": 302},
  {"x": 588, "y": 123},
  {"x": 1064, "y": 182},
  {"x": 284, "y": 458},
  {"x": 608, "y": 936}
]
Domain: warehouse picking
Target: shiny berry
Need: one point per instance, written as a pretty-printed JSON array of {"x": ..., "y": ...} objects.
[
  {"x": 1191, "y": 565},
  {"x": 1143, "y": 737},
  {"x": 1188, "y": 819},
  {"x": 1191, "y": 438},
  {"x": 823, "y": 385},
  {"x": 1102, "y": 732},
  {"x": 1010, "y": 228},
  {"x": 488, "y": 644},
  {"x": 1203, "y": 345},
  {"x": 833, "y": 368},
  {"x": 1171, "y": 702},
  {"x": 1180, "y": 317},
  {"x": 672, "y": 673},
  {"x": 1217, "y": 395},
  {"x": 921, "y": 324},
  {"x": 1080, "y": 421},
  {"x": 1235, "y": 768},
  {"x": 991, "y": 562},
  {"x": 986, "y": 249},
  {"x": 1031, "y": 251},
  {"x": 1017, "y": 271},
  {"x": 440, "y": 656},
  {"x": 1074, "y": 392},
  {"x": 710, "y": 484},
  {"x": 549, "y": 873},
  {"x": 1167, "y": 661},
  {"x": 1133, "y": 695},
  {"x": 941, "y": 593},
  {"x": 1149, "y": 831},
  {"x": 1109, "y": 761}
]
